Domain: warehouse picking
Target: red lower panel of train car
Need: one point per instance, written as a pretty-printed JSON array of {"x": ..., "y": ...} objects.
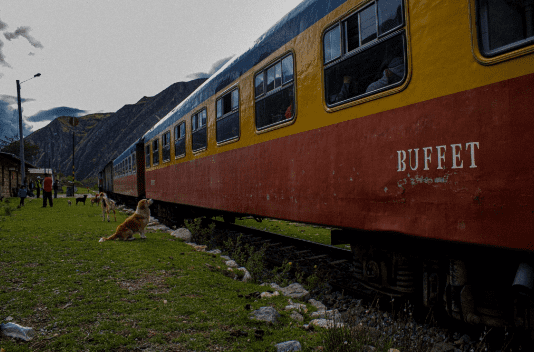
[
  {"x": 126, "y": 185},
  {"x": 458, "y": 168}
]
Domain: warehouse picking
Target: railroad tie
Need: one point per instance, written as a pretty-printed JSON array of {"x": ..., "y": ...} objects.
[
  {"x": 338, "y": 262},
  {"x": 302, "y": 252},
  {"x": 274, "y": 245},
  {"x": 317, "y": 257},
  {"x": 286, "y": 248}
]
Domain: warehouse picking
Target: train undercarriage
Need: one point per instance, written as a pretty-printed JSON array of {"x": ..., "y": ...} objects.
[{"x": 474, "y": 284}]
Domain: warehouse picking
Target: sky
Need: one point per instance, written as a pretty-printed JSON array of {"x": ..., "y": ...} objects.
[{"x": 99, "y": 55}]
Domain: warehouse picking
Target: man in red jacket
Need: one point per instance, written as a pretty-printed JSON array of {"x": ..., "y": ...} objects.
[{"x": 47, "y": 191}]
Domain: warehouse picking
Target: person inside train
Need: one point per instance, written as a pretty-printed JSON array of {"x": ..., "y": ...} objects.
[
  {"x": 391, "y": 71},
  {"x": 345, "y": 91}
]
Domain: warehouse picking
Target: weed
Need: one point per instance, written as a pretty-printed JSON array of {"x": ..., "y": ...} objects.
[
  {"x": 247, "y": 255},
  {"x": 201, "y": 230}
]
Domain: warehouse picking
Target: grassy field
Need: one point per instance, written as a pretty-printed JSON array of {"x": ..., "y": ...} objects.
[
  {"x": 303, "y": 231},
  {"x": 156, "y": 294}
]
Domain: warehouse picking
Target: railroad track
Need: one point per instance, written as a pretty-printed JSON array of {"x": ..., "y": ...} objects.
[{"x": 335, "y": 264}]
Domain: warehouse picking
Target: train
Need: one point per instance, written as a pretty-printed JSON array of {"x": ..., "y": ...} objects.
[{"x": 405, "y": 126}]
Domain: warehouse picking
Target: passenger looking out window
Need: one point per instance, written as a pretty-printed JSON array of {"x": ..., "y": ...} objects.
[
  {"x": 274, "y": 93},
  {"x": 365, "y": 53}
]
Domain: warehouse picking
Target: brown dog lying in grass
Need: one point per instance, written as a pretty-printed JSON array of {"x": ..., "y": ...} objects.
[{"x": 134, "y": 223}]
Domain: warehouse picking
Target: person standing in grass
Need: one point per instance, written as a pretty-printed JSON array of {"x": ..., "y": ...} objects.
[
  {"x": 47, "y": 191},
  {"x": 23, "y": 193},
  {"x": 55, "y": 188},
  {"x": 38, "y": 185}
]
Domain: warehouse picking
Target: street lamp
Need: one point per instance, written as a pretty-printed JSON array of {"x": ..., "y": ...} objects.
[{"x": 23, "y": 165}]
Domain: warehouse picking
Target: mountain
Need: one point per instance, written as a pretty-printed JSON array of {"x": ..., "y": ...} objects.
[{"x": 100, "y": 138}]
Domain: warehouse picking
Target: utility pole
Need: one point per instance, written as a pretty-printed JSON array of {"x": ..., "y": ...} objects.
[{"x": 21, "y": 140}]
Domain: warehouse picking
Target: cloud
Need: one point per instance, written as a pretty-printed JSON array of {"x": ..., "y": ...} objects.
[
  {"x": 214, "y": 68},
  {"x": 3, "y": 61},
  {"x": 49, "y": 115},
  {"x": 9, "y": 118},
  {"x": 24, "y": 32}
]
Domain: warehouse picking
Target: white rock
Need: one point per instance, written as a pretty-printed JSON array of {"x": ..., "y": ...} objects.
[
  {"x": 288, "y": 346},
  {"x": 231, "y": 264},
  {"x": 269, "y": 295},
  {"x": 182, "y": 233},
  {"x": 317, "y": 304},
  {"x": 324, "y": 323}
]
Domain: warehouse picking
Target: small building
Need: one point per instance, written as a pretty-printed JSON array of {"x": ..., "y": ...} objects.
[
  {"x": 10, "y": 175},
  {"x": 36, "y": 172}
]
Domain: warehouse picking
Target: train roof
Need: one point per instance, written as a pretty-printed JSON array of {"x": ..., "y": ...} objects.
[
  {"x": 128, "y": 151},
  {"x": 295, "y": 22}
]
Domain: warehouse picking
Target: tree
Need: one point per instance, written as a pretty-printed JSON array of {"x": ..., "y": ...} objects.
[{"x": 12, "y": 145}]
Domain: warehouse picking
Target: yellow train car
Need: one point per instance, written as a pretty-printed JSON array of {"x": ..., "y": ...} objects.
[{"x": 405, "y": 124}]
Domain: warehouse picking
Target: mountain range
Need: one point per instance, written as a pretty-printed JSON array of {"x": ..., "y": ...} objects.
[{"x": 100, "y": 138}]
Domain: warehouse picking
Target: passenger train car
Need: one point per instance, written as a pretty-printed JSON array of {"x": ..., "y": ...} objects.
[{"x": 406, "y": 125}]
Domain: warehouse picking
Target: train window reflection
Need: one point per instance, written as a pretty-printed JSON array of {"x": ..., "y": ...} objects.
[
  {"x": 179, "y": 140},
  {"x": 227, "y": 125},
  {"x": 147, "y": 156},
  {"x": 332, "y": 44},
  {"x": 155, "y": 152},
  {"x": 166, "y": 147},
  {"x": 504, "y": 25},
  {"x": 199, "y": 137},
  {"x": 287, "y": 69},
  {"x": 368, "y": 24},
  {"x": 389, "y": 15}
]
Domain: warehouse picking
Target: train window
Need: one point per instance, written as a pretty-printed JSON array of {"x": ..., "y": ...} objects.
[
  {"x": 368, "y": 24},
  {"x": 276, "y": 105},
  {"x": 147, "y": 155},
  {"x": 179, "y": 140},
  {"x": 166, "y": 147},
  {"x": 373, "y": 57},
  {"x": 200, "y": 131},
  {"x": 332, "y": 44},
  {"x": 129, "y": 164},
  {"x": 504, "y": 25},
  {"x": 228, "y": 116},
  {"x": 155, "y": 152},
  {"x": 134, "y": 161}
]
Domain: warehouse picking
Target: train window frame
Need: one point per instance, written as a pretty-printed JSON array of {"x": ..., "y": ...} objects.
[
  {"x": 134, "y": 162},
  {"x": 284, "y": 86},
  {"x": 166, "y": 146},
  {"x": 497, "y": 55},
  {"x": 181, "y": 126},
  {"x": 155, "y": 152},
  {"x": 198, "y": 127},
  {"x": 334, "y": 98},
  {"x": 147, "y": 156},
  {"x": 227, "y": 110}
]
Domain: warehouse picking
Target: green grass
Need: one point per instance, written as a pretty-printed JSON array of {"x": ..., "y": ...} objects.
[
  {"x": 308, "y": 232},
  {"x": 79, "y": 294}
]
